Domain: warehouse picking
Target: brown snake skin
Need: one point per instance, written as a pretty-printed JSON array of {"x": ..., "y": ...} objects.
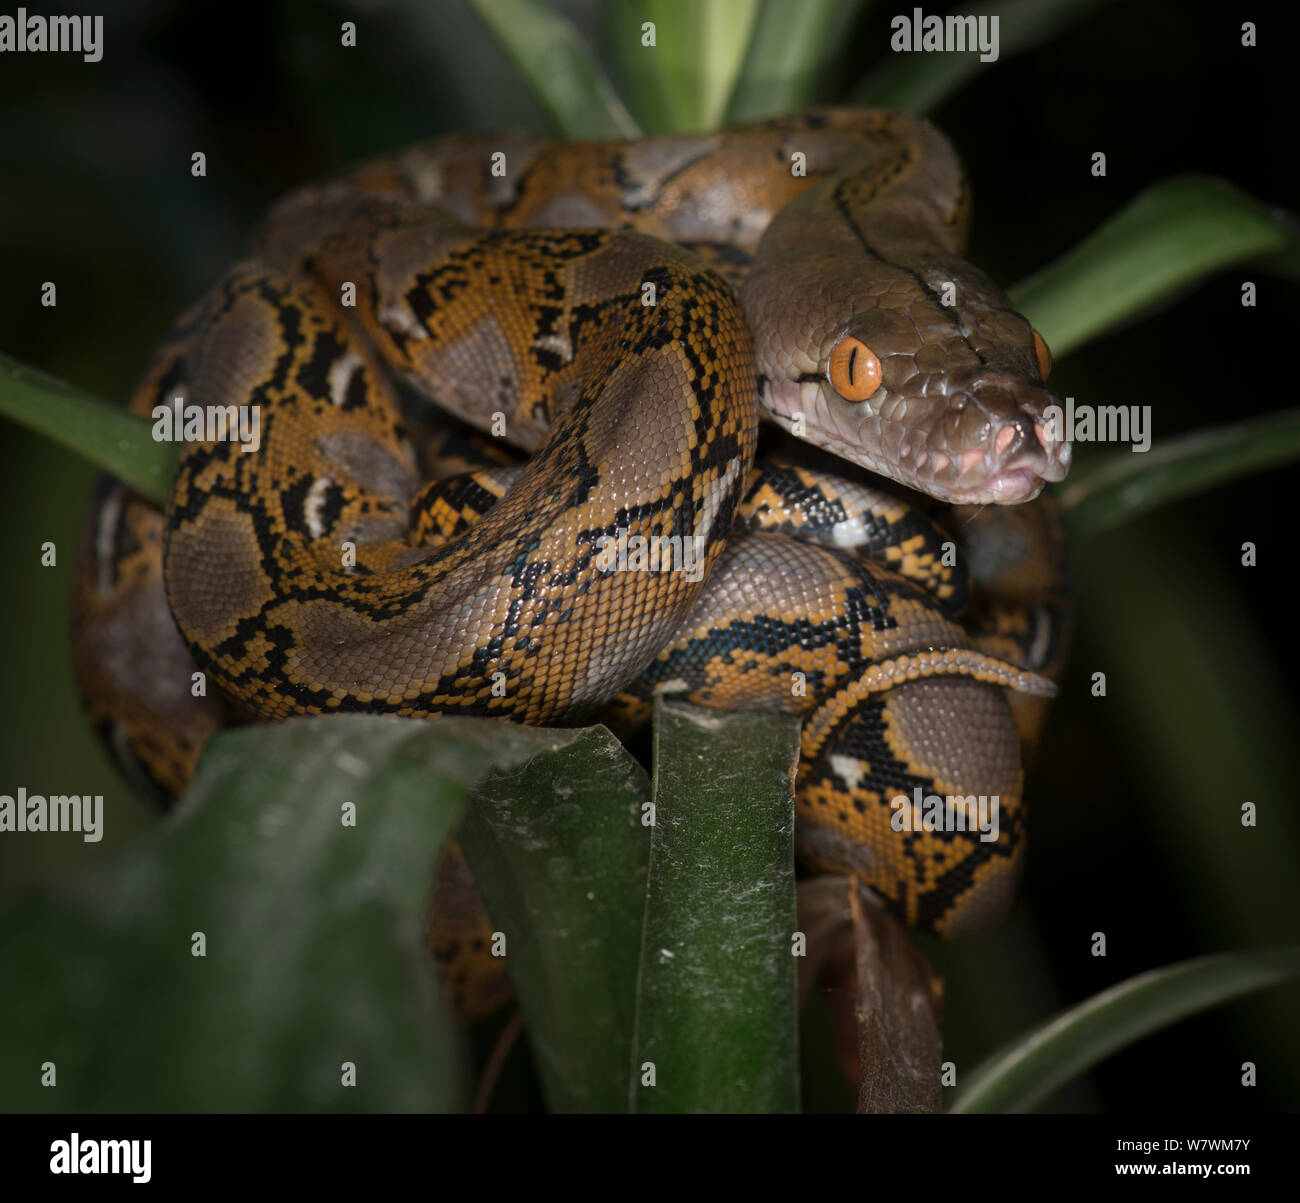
[{"x": 533, "y": 289}]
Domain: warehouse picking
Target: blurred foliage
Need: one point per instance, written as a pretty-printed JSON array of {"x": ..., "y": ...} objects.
[{"x": 310, "y": 929}]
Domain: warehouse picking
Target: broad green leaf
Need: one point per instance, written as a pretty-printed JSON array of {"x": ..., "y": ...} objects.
[
  {"x": 1032, "y": 1067},
  {"x": 313, "y": 931},
  {"x": 116, "y": 441},
  {"x": 559, "y": 853},
  {"x": 682, "y": 82},
  {"x": 716, "y": 1002},
  {"x": 793, "y": 47},
  {"x": 1125, "y": 485},
  {"x": 1169, "y": 236},
  {"x": 919, "y": 83},
  {"x": 559, "y": 66}
]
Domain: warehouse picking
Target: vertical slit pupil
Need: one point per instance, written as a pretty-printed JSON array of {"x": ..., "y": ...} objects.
[{"x": 853, "y": 358}]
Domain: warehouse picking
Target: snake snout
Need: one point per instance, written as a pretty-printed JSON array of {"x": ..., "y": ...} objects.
[{"x": 1005, "y": 449}]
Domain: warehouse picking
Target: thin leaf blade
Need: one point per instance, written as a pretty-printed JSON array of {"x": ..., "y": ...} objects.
[
  {"x": 792, "y": 49},
  {"x": 560, "y": 68},
  {"x": 118, "y": 442},
  {"x": 1029, "y": 1069},
  {"x": 681, "y": 81},
  {"x": 1124, "y": 486},
  {"x": 1169, "y": 236}
]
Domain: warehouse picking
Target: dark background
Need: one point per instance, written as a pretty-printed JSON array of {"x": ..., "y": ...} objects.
[{"x": 1135, "y": 796}]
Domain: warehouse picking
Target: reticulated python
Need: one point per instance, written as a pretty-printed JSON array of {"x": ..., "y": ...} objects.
[{"x": 616, "y": 309}]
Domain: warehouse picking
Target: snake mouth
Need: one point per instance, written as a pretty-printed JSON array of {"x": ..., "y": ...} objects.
[
  {"x": 968, "y": 480},
  {"x": 989, "y": 476},
  {"x": 1012, "y": 487},
  {"x": 1011, "y": 461},
  {"x": 985, "y": 441}
]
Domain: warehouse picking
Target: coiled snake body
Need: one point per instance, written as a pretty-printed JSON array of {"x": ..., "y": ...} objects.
[{"x": 616, "y": 309}]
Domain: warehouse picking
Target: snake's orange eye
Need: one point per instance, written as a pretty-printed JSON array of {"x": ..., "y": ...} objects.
[
  {"x": 1044, "y": 356},
  {"x": 855, "y": 370}
]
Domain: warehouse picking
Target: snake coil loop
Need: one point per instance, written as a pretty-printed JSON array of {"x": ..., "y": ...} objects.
[{"x": 622, "y": 312}]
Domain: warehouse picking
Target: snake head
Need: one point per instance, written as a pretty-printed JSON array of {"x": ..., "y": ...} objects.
[{"x": 922, "y": 373}]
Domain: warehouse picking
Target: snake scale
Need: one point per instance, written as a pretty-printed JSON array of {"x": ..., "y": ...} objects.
[{"x": 619, "y": 314}]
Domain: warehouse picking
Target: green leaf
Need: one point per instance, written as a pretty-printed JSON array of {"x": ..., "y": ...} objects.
[
  {"x": 1125, "y": 485},
  {"x": 919, "y": 83},
  {"x": 716, "y": 1003},
  {"x": 793, "y": 47},
  {"x": 559, "y": 66},
  {"x": 116, "y": 441},
  {"x": 314, "y": 930},
  {"x": 1169, "y": 236},
  {"x": 559, "y": 854},
  {"x": 1033, "y": 1066},
  {"x": 683, "y": 82}
]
